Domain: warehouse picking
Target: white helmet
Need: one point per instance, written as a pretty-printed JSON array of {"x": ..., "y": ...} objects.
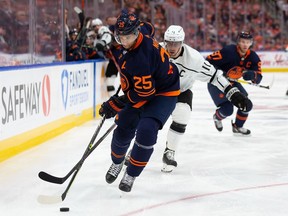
[
  {"x": 174, "y": 33},
  {"x": 102, "y": 30},
  {"x": 96, "y": 21}
]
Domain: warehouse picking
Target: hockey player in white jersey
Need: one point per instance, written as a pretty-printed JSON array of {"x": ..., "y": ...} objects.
[
  {"x": 105, "y": 40},
  {"x": 192, "y": 66}
]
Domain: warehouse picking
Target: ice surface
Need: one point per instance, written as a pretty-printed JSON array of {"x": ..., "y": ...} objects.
[{"x": 217, "y": 174}]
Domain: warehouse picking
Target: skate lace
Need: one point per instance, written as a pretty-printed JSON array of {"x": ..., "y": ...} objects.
[
  {"x": 242, "y": 130},
  {"x": 170, "y": 154},
  {"x": 128, "y": 180},
  {"x": 115, "y": 169},
  {"x": 239, "y": 129},
  {"x": 217, "y": 122}
]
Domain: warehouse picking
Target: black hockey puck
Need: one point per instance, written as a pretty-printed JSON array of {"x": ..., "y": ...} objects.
[{"x": 64, "y": 209}]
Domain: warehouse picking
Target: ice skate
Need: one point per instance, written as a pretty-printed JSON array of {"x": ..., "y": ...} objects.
[
  {"x": 218, "y": 123},
  {"x": 113, "y": 172},
  {"x": 168, "y": 160},
  {"x": 126, "y": 183},
  {"x": 240, "y": 130}
]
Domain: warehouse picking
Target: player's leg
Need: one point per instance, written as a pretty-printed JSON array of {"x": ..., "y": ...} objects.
[
  {"x": 126, "y": 121},
  {"x": 237, "y": 126},
  {"x": 241, "y": 116},
  {"x": 180, "y": 118},
  {"x": 225, "y": 107},
  {"x": 154, "y": 115}
]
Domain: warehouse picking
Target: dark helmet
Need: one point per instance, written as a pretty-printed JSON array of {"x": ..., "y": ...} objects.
[
  {"x": 127, "y": 23},
  {"x": 245, "y": 35},
  {"x": 73, "y": 31}
]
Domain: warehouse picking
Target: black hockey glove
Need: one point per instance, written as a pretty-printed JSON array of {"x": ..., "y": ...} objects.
[
  {"x": 112, "y": 106},
  {"x": 252, "y": 75},
  {"x": 100, "y": 45},
  {"x": 238, "y": 99}
]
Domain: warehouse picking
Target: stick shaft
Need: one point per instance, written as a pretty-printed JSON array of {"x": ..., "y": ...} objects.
[
  {"x": 253, "y": 84},
  {"x": 60, "y": 180}
]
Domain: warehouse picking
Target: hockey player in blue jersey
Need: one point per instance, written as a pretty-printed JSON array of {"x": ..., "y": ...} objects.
[
  {"x": 151, "y": 85},
  {"x": 106, "y": 43},
  {"x": 236, "y": 61}
]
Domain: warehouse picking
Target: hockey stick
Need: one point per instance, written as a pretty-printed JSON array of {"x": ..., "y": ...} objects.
[
  {"x": 56, "y": 199},
  {"x": 90, "y": 148},
  {"x": 254, "y": 84},
  {"x": 81, "y": 17},
  {"x": 60, "y": 180},
  {"x": 63, "y": 196}
]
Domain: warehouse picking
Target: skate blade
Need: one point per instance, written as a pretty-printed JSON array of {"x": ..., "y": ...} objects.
[
  {"x": 241, "y": 135},
  {"x": 167, "y": 168}
]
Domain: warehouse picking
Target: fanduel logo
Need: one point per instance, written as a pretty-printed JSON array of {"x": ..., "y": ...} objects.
[{"x": 64, "y": 87}]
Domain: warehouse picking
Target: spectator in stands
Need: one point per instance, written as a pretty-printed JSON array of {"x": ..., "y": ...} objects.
[
  {"x": 3, "y": 44},
  {"x": 88, "y": 47}
]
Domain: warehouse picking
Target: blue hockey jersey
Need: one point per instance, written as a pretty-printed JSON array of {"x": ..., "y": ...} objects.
[
  {"x": 229, "y": 58},
  {"x": 145, "y": 71}
]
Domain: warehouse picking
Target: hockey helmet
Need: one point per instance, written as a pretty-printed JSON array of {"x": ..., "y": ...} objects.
[
  {"x": 102, "y": 30},
  {"x": 96, "y": 22},
  {"x": 245, "y": 35},
  {"x": 174, "y": 33},
  {"x": 73, "y": 31},
  {"x": 127, "y": 23}
]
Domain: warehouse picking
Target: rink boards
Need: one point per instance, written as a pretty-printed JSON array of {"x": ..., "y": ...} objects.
[{"x": 39, "y": 102}]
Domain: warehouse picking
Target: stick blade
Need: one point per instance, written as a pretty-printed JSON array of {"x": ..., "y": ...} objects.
[
  {"x": 49, "y": 178},
  {"x": 77, "y": 10},
  {"x": 45, "y": 199}
]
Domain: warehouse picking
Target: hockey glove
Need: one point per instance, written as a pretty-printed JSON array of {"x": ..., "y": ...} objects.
[
  {"x": 100, "y": 45},
  {"x": 238, "y": 99},
  {"x": 252, "y": 75},
  {"x": 112, "y": 106}
]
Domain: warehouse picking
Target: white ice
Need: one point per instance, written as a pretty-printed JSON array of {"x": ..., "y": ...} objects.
[{"x": 218, "y": 173}]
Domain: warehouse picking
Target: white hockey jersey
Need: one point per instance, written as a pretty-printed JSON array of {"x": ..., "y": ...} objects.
[{"x": 192, "y": 66}]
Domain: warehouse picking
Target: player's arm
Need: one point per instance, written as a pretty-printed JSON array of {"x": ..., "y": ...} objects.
[
  {"x": 106, "y": 38},
  {"x": 221, "y": 57},
  {"x": 220, "y": 81},
  {"x": 206, "y": 72},
  {"x": 255, "y": 73},
  {"x": 232, "y": 93},
  {"x": 216, "y": 58},
  {"x": 142, "y": 91}
]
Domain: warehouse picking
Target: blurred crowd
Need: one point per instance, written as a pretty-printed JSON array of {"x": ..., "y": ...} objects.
[
  {"x": 209, "y": 24},
  {"x": 212, "y": 24},
  {"x": 20, "y": 25},
  {"x": 82, "y": 39}
]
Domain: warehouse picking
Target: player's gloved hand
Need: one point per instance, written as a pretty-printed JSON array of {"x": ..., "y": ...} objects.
[
  {"x": 112, "y": 106},
  {"x": 100, "y": 45},
  {"x": 252, "y": 75},
  {"x": 238, "y": 99}
]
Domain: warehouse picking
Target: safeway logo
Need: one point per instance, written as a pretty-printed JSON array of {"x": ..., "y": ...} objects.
[{"x": 46, "y": 95}]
